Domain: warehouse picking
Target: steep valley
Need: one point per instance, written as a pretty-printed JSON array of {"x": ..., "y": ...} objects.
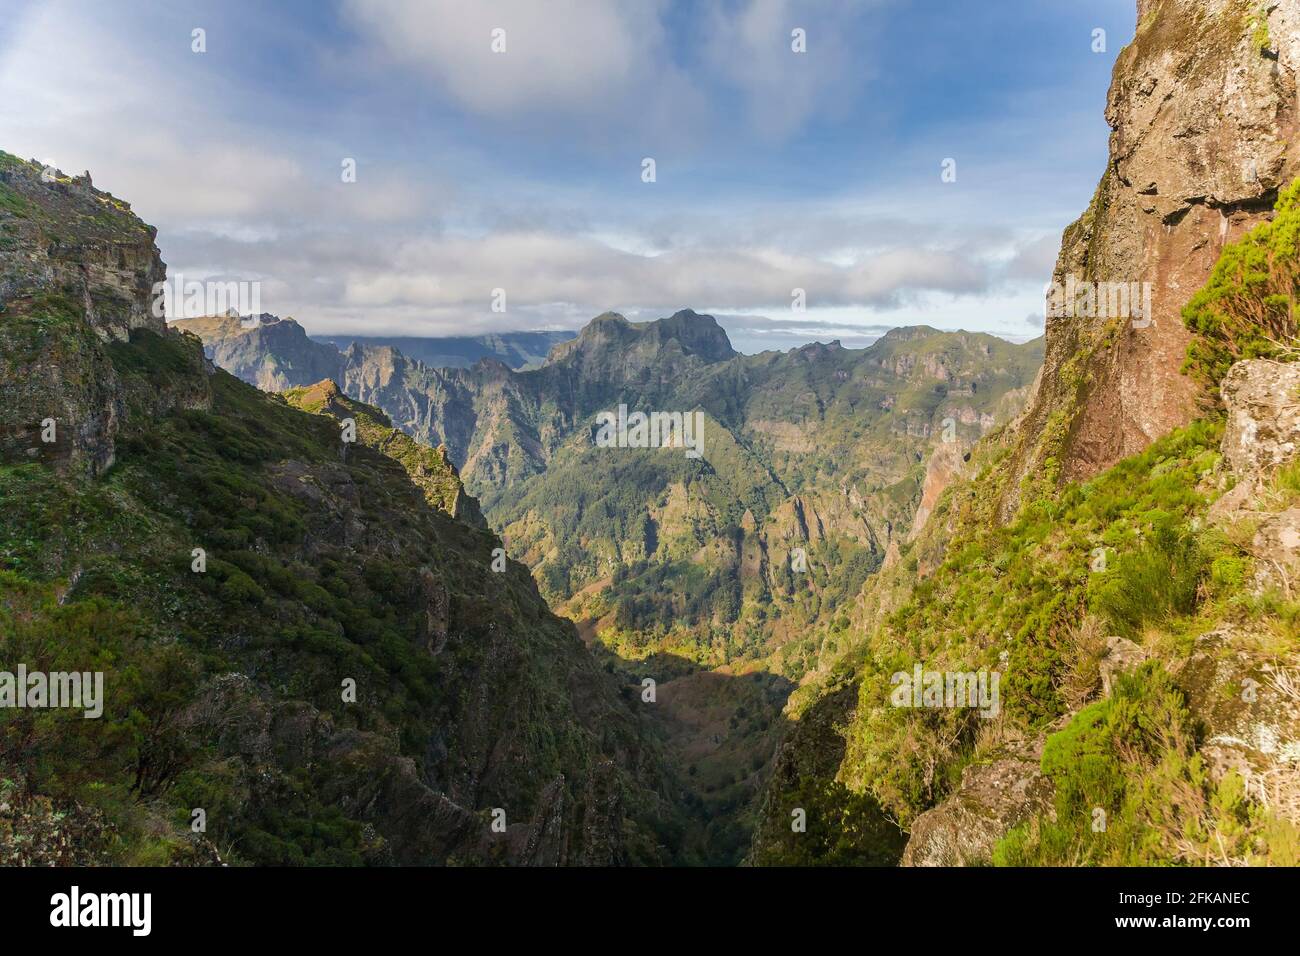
[
  {"x": 302, "y": 637},
  {"x": 945, "y": 600},
  {"x": 704, "y": 575}
]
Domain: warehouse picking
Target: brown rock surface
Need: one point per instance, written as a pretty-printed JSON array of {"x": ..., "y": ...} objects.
[{"x": 1203, "y": 113}]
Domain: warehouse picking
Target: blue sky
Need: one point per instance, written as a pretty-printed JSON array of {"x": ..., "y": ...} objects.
[{"x": 522, "y": 170}]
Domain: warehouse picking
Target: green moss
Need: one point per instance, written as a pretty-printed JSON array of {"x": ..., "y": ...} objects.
[{"x": 1257, "y": 25}]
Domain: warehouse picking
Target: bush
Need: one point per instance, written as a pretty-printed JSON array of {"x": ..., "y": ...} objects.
[
  {"x": 1248, "y": 307},
  {"x": 1130, "y": 790},
  {"x": 1156, "y": 582}
]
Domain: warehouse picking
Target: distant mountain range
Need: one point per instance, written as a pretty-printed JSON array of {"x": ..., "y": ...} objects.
[
  {"x": 274, "y": 353},
  {"x": 516, "y": 349}
]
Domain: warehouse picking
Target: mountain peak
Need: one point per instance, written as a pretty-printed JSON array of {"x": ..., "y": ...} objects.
[
  {"x": 908, "y": 333},
  {"x": 686, "y": 331}
]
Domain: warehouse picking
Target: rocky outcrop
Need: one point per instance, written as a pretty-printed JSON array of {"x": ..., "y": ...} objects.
[
  {"x": 1262, "y": 399},
  {"x": 77, "y": 275},
  {"x": 1203, "y": 114},
  {"x": 1002, "y": 789},
  {"x": 1121, "y": 655},
  {"x": 63, "y": 237},
  {"x": 430, "y": 469},
  {"x": 1261, "y": 435},
  {"x": 947, "y": 464},
  {"x": 996, "y": 794},
  {"x": 1250, "y": 709},
  {"x": 272, "y": 353}
]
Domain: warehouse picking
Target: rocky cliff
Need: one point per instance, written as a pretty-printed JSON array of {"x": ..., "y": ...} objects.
[
  {"x": 1124, "y": 555},
  {"x": 73, "y": 261},
  {"x": 1203, "y": 116}
]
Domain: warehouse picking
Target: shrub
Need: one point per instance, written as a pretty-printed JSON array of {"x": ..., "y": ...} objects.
[
  {"x": 1248, "y": 307},
  {"x": 1157, "y": 581}
]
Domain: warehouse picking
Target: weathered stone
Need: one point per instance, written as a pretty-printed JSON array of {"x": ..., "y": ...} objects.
[
  {"x": 1263, "y": 425},
  {"x": 994, "y": 796},
  {"x": 1250, "y": 709},
  {"x": 1203, "y": 121},
  {"x": 947, "y": 464},
  {"x": 1121, "y": 655}
]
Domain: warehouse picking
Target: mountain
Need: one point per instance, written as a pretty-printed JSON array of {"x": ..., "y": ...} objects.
[
  {"x": 311, "y": 650},
  {"x": 775, "y": 470},
  {"x": 515, "y": 349},
  {"x": 709, "y": 570},
  {"x": 272, "y": 353},
  {"x": 275, "y": 354},
  {"x": 1122, "y": 558}
]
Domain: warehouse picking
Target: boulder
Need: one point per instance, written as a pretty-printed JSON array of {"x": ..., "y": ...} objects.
[
  {"x": 994, "y": 796},
  {"x": 1263, "y": 425}
]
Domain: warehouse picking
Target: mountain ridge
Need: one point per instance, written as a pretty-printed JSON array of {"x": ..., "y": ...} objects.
[
  {"x": 1108, "y": 553},
  {"x": 311, "y": 639}
]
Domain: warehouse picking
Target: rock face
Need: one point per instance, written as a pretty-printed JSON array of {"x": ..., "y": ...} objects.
[
  {"x": 1251, "y": 712},
  {"x": 1001, "y": 790},
  {"x": 429, "y": 468},
  {"x": 516, "y": 349},
  {"x": 1203, "y": 113},
  {"x": 947, "y": 464},
  {"x": 77, "y": 272},
  {"x": 272, "y": 353},
  {"x": 61, "y": 236},
  {"x": 994, "y": 796},
  {"x": 1261, "y": 435}
]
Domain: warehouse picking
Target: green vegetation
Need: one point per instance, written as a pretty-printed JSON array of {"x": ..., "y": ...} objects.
[
  {"x": 1135, "y": 553},
  {"x": 1131, "y": 790},
  {"x": 429, "y": 468},
  {"x": 1257, "y": 24},
  {"x": 1021, "y": 591},
  {"x": 1248, "y": 307},
  {"x": 98, "y": 575},
  {"x": 11, "y": 202},
  {"x": 843, "y": 828},
  {"x": 1156, "y": 582}
]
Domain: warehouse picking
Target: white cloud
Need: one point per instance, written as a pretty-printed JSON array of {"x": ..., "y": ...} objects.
[
  {"x": 149, "y": 129},
  {"x": 561, "y": 56},
  {"x": 784, "y": 89},
  {"x": 419, "y": 247}
]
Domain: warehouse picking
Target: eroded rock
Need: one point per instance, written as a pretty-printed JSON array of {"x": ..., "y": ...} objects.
[
  {"x": 995, "y": 795},
  {"x": 1263, "y": 424}
]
